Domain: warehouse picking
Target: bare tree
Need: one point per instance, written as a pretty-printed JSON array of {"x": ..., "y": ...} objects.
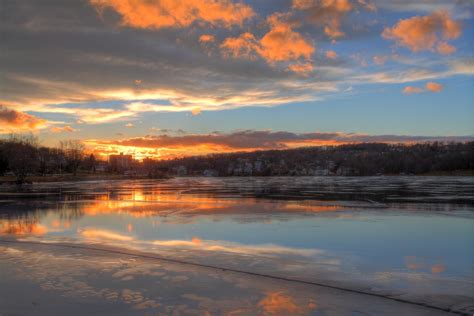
[
  {"x": 22, "y": 156},
  {"x": 73, "y": 151},
  {"x": 90, "y": 163}
]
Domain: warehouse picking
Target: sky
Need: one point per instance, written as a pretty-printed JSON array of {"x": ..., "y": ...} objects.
[{"x": 170, "y": 78}]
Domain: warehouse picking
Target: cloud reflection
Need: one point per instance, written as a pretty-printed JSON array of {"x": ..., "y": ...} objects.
[
  {"x": 424, "y": 264},
  {"x": 98, "y": 234}
]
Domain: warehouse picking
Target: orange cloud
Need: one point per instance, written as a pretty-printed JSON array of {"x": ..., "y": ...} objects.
[
  {"x": 66, "y": 128},
  {"x": 302, "y": 68},
  {"x": 244, "y": 46},
  {"x": 157, "y": 14},
  {"x": 434, "y": 87},
  {"x": 412, "y": 90},
  {"x": 130, "y": 125},
  {"x": 331, "y": 54},
  {"x": 280, "y": 44},
  {"x": 206, "y": 38},
  {"x": 430, "y": 86},
  {"x": 196, "y": 240},
  {"x": 196, "y": 111},
  {"x": 329, "y": 13},
  {"x": 429, "y": 32},
  {"x": 445, "y": 49},
  {"x": 12, "y": 120}
]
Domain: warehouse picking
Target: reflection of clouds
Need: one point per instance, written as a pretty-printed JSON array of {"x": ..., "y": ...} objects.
[
  {"x": 74, "y": 276},
  {"x": 92, "y": 233},
  {"x": 232, "y": 247},
  {"x": 197, "y": 243},
  {"x": 59, "y": 223},
  {"x": 142, "y": 270},
  {"x": 171, "y": 202},
  {"x": 165, "y": 205},
  {"x": 424, "y": 264},
  {"x": 165, "y": 288},
  {"x": 279, "y": 303},
  {"x": 438, "y": 268}
]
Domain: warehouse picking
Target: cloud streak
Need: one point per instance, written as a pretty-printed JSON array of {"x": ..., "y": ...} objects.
[{"x": 250, "y": 140}]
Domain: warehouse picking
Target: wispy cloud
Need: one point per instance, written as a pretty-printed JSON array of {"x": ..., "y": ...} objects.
[{"x": 62, "y": 129}]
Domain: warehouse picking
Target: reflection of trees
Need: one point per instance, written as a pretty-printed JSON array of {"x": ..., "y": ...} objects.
[
  {"x": 20, "y": 223},
  {"x": 25, "y": 218},
  {"x": 70, "y": 211}
]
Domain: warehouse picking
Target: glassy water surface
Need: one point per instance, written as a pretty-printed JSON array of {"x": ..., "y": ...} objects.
[{"x": 413, "y": 235}]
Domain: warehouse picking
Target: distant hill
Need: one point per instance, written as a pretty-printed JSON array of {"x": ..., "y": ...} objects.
[{"x": 348, "y": 160}]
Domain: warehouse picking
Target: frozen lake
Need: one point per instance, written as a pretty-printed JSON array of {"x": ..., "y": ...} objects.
[{"x": 379, "y": 241}]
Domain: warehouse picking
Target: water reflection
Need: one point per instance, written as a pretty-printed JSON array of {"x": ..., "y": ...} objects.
[
  {"x": 359, "y": 243},
  {"x": 420, "y": 264},
  {"x": 21, "y": 227},
  {"x": 280, "y": 303},
  {"x": 123, "y": 285}
]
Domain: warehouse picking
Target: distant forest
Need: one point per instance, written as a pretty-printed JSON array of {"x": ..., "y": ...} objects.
[
  {"x": 22, "y": 157},
  {"x": 349, "y": 160}
]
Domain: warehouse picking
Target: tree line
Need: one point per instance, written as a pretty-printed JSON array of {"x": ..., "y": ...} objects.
[
  {"x": 352, "y": 160},
  {"x": 22, "y": 155}
]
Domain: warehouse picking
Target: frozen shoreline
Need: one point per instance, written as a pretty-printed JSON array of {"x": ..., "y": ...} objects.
[{"x": 126, "y": 279}]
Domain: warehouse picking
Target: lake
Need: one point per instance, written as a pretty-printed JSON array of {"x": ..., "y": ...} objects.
[{"x": 240, "y": 246}]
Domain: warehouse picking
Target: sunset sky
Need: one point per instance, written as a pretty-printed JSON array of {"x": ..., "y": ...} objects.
[{"x": 167, "y": 78}]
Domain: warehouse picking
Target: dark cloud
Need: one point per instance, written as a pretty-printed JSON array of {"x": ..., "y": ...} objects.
[
  {"x": 54, "y": 52},
  {"x": 250, "y": 139},
  {"x": 460, "y": 8}
]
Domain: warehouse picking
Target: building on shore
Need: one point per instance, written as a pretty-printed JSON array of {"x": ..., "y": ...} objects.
[{"x": 120, "y": 163}]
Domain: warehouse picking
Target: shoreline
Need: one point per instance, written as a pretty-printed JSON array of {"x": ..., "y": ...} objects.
[{"x": 11, "y": 180}]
